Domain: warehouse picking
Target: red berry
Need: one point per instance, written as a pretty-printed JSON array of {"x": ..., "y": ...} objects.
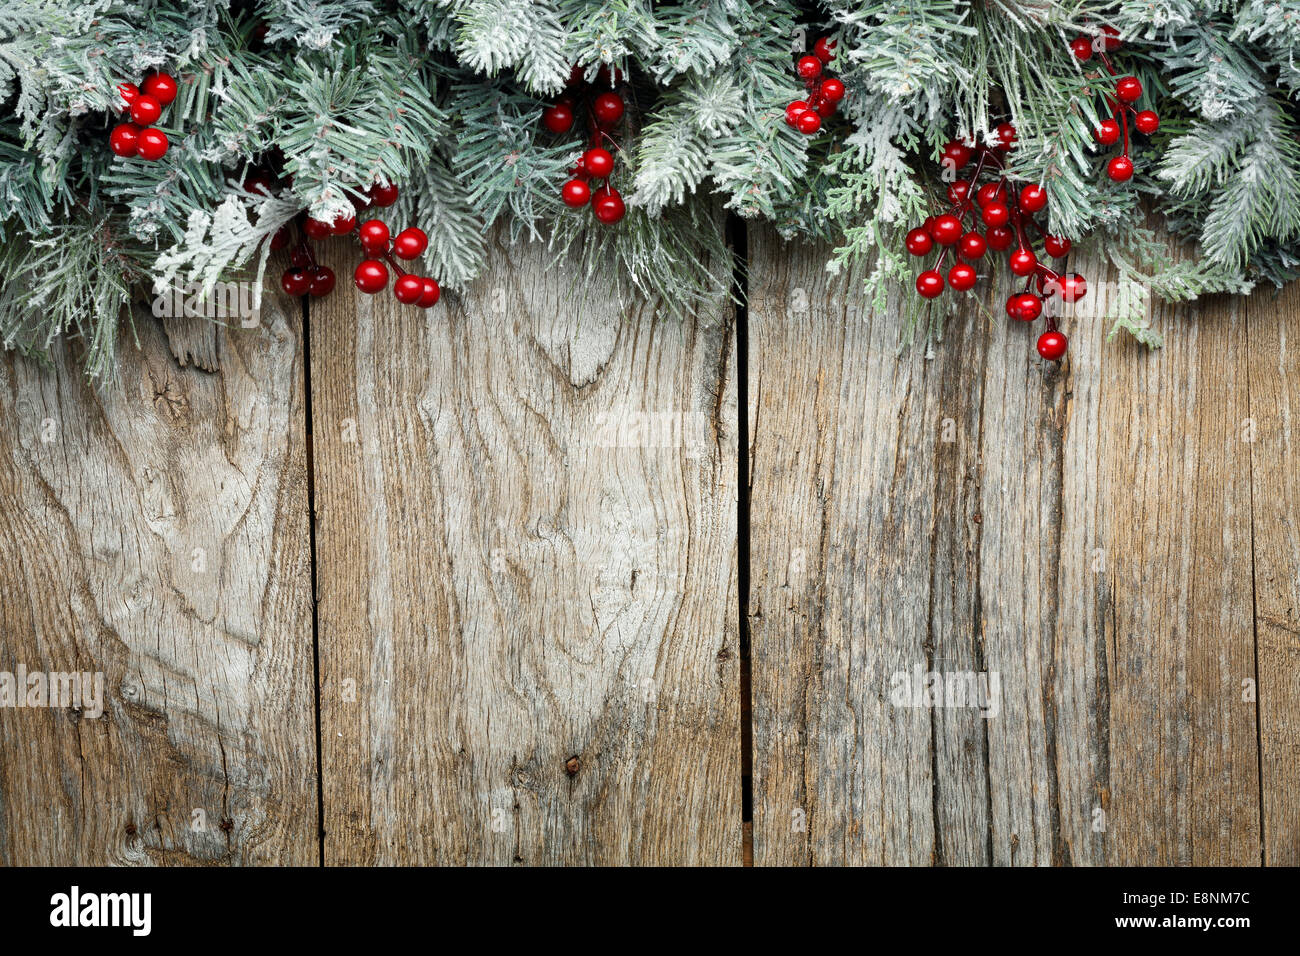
[
  {"x": 990, "y": 193},
  {"x": 1052, "y": 345},
  {"x": 1056, "y": 246},
  {"x": 958, "y": 191},
  {"x": 1120, "y": 169},
  {"x": 809, "y": 67},
  {"x": 792, "y": 112},
  {"x": 607, "y": 205},
  {"x": 1128, "y": 89},
  {"x": 122, "y": 141},
  {"x": 1147, "y": 122},
  {"x": 317, "y": 230},
  {"x": 1006, "y": 133},
  {"x": 408, "y": 289},
  {"x": 824, "y": 49},
  {"x": 374, "y": 237},
  {"x": 833, "y": 89},
  {"x": 826, "y": 109},
  {"x": 161, "y": 87},
  {"x": 995, "y": 214},
  {"x": 344, "y": 224},
  {"x": 956, "y": 155},
  {"x": 370, "y": 276},
  {"x": 973, "y": 246},
  {"x": 1112, "y": 38},
  {"x": 145, "y": 110},
  {"x": 300, "y": 257},
  {"x": 999, "y": 238},
  {"x": 608, "y": 108},
  {"x": 383, "y": 195},
  {"x": 962, "y": 277},
  {"x": 1107, "y": 133},
  {"x": 1033, "y": 198},
  {"x": 919, "y": 242},
  {"x": 558, "y": 118},
  {"x": 151, "y": 144},
  {"x": 429, "y": 294},
  {"x": 295, "y": 282},
  {"x": 322, "y": 281},
  {"x": 410, "y": 243},
  {"x": 598, "y": 162},
  {"x": 808, "y": 122},
  {"x": 280, "y": 239},
  {"x": 946, "y": 229},
  {"x": 128, "y": 92},
  {"x": 1081, "y": 47},
  {"x": 929, "y": 283},
  {"x": 1022, "y": 262},
  {"x": 575, "y": 193},
  {"x": 1072, "y": 286},
  {"x": 1024, "y": 307}
]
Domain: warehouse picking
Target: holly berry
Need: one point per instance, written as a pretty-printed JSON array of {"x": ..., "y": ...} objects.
[
  {"x": 408, "y": 289},
  {"x": 410, "y": 243},
  {"x": 607, "y": 205},
  {"x": 1111, "y": 40},
  {"x": 1022, "y": 262},
  {"x": 370, "y": 276},
  {"x": 145, "y": 110},
  {"x": 1056, "y": 246},
  {"x": 322, "y": 281},
  {"x": 1081, "y": 47},
  {"x": 151, "y": 144},
  {"x": 958, "y": 191},
  {"x": 995, "y": 214},
  {"x": 1052, "y": 345},
  {"x": 1033, "y": 199},
  {"x": 919, "y": 242},
  {"x": 929, "y": 283},
  {"x": 344, "y": 224},
  {"x": 962, "y": 277},
  {"x": 598, "y": 162},
  {"x": 999, "y": 238},
  {"x": 558, "y": 118},
  {"x": 122, "y": 141},
  {"x": 128, "y": 92},
  {"x": 809, "y": 67},
  {"x": 575, "y": 193},
  {"x": 374, "y": 237},
  {"x": 808, "y": 122},
  {"x": 990, "y": 193},
  {"x": 1024, "y": 306},
  {"x": 824, "y": 49},
  {"x": 833, "y": 90},
  {"x": 1128, "y": 89},
  {"x": 946, "y": 229},
  {"x": 956, "y": 154},
  {"x": 1120, "y": 169},
  {"x": 608, "y": 108},
  {"x": 295, "y": 282},
  {"x": 792, "y": 112},
  {"x": 1147, "y": 122},
  {"x": 1006, "y": 133},
  {"x": 383, "y": 195},
  {"x": 161, "y": 87},
  {"x": 317, "y": 230},
  {"x": 1107, "y": 133},
  {"x": 973, "y": 246},
  {"x": 429, "y": 294},
  {"x": 1072, "y": 287},
  {"x": 826, "y": 109},
  {"x": 300, "y": 258}
]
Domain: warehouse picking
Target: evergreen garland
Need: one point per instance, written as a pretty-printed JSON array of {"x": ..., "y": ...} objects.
[{"x": 443, "y": 98}]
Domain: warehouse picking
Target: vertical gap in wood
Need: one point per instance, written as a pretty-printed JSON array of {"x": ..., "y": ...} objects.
[
  {"x": 1254, "y": 604},
  {"x": 739, "y": 240},
  {"x": 311, "y": 533}
]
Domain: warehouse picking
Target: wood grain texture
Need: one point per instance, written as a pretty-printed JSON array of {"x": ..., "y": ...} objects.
[
  {"x": 1084, "y": 532},
  {"x": 156, "y": 530},
  {"x": 527, "y": 600}
]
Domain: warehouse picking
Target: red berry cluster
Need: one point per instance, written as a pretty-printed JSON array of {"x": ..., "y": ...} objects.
[
  {"x": 824, "y": 92},
  {"x": 602, "y": 111},
  {"x": 305, "y": 276},
  {"x": 1009, "y": 225},
  {"x": 145, "y": 103},
  {"x": 1128, "y": 89}
]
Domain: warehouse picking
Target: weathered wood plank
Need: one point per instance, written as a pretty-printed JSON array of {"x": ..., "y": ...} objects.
[
  {"x": 1084, "y": 536},
  {"x": 156, "y": 530},
  {"x": 527, "y": 606}
]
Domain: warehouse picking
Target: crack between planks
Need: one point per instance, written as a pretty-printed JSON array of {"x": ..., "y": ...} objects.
[
  {"x": 1254, "y": 608},
  {"x": 311, "y": 535}
]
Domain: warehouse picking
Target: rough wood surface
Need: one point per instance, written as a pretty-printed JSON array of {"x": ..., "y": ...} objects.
[
  {"x": 527, "y": 597},
  {"x": 1085, "y": 533},
  {"x": 156, "y": 530}
]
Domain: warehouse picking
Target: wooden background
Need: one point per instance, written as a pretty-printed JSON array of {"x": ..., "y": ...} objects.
[{"x": 506, "y": 584}]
